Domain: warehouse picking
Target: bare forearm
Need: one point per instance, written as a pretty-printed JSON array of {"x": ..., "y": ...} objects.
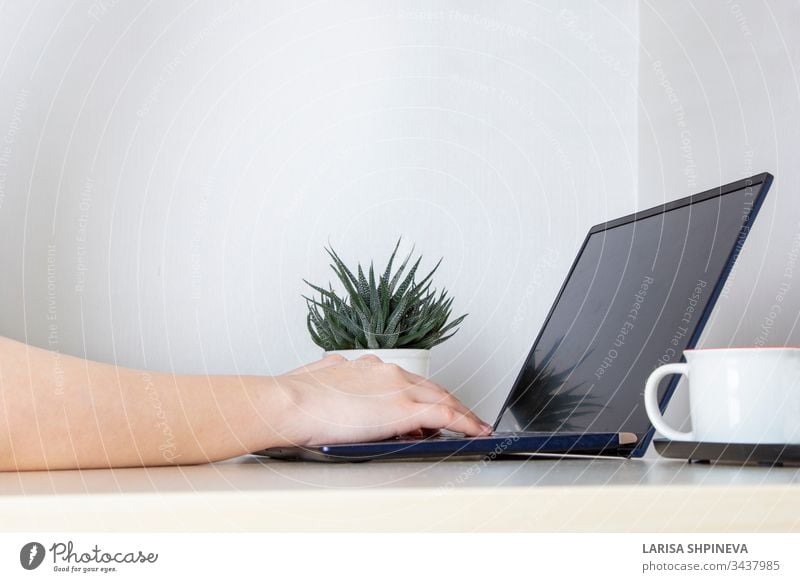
[
  {"x": 63, "y": 412},
  {"x": 60, "y": 412}
]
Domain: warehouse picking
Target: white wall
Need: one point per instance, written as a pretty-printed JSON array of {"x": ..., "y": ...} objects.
[
  {"x": 173, "y": 170},
  {"x": 720, "y": 100},
  {"x": 169, "y": 173}
]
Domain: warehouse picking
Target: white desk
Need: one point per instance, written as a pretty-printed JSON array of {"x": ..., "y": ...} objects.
[{"x": 251, "y": 494}]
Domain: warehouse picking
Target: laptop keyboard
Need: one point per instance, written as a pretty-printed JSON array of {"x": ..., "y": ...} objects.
[
  {"x": 496, "y": 435},
  {"x": 455, "y": 436}
]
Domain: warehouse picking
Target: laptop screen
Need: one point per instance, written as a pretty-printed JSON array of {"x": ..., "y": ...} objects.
[{"x": 633, "y": 301}]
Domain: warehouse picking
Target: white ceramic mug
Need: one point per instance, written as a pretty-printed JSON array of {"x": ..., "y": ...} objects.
[{"x": 736, "y": 395}]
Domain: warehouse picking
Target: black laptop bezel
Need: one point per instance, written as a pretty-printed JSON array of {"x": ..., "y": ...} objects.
[{"x": 762, "y": 181}]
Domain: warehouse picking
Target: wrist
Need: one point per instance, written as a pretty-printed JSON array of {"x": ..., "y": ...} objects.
[{"x": 277, "y": 408}]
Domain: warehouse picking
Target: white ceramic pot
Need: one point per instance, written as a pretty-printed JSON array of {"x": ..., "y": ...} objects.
[{"x": 414, "y": 361}]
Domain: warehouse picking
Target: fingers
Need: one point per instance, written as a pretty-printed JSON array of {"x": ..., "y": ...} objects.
[
  {"x": 439, "y": 395},
  {"x": 432, "y": 393},
  {"x": 326, "y": 362},
  {"x": 435, "y": 416},
  {"x": 434, "y": 407},
  {"x": 427, "y": 392},
  {"x": 428, "y": 385}
]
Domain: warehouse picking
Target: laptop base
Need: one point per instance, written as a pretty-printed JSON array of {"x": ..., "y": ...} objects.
[{"x": 444, "y": 447}]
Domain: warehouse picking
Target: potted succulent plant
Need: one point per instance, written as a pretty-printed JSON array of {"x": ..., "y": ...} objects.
[{"x": 393, "y": 316}]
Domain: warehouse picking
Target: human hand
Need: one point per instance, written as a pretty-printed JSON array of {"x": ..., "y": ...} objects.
[{"x": 338, "y": 401}]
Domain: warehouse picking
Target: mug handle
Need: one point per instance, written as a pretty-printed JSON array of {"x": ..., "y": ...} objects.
[{"x": 651, "y": 401}]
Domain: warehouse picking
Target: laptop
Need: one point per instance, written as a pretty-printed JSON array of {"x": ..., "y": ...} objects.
[{"x": 638, "y": 293}]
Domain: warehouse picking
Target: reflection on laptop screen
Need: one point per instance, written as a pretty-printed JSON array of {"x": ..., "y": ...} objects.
[{"x": 631, "y": 303}]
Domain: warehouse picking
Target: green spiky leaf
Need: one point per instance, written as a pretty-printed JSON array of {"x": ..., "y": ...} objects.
[{"x": 392, "y": 310}]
